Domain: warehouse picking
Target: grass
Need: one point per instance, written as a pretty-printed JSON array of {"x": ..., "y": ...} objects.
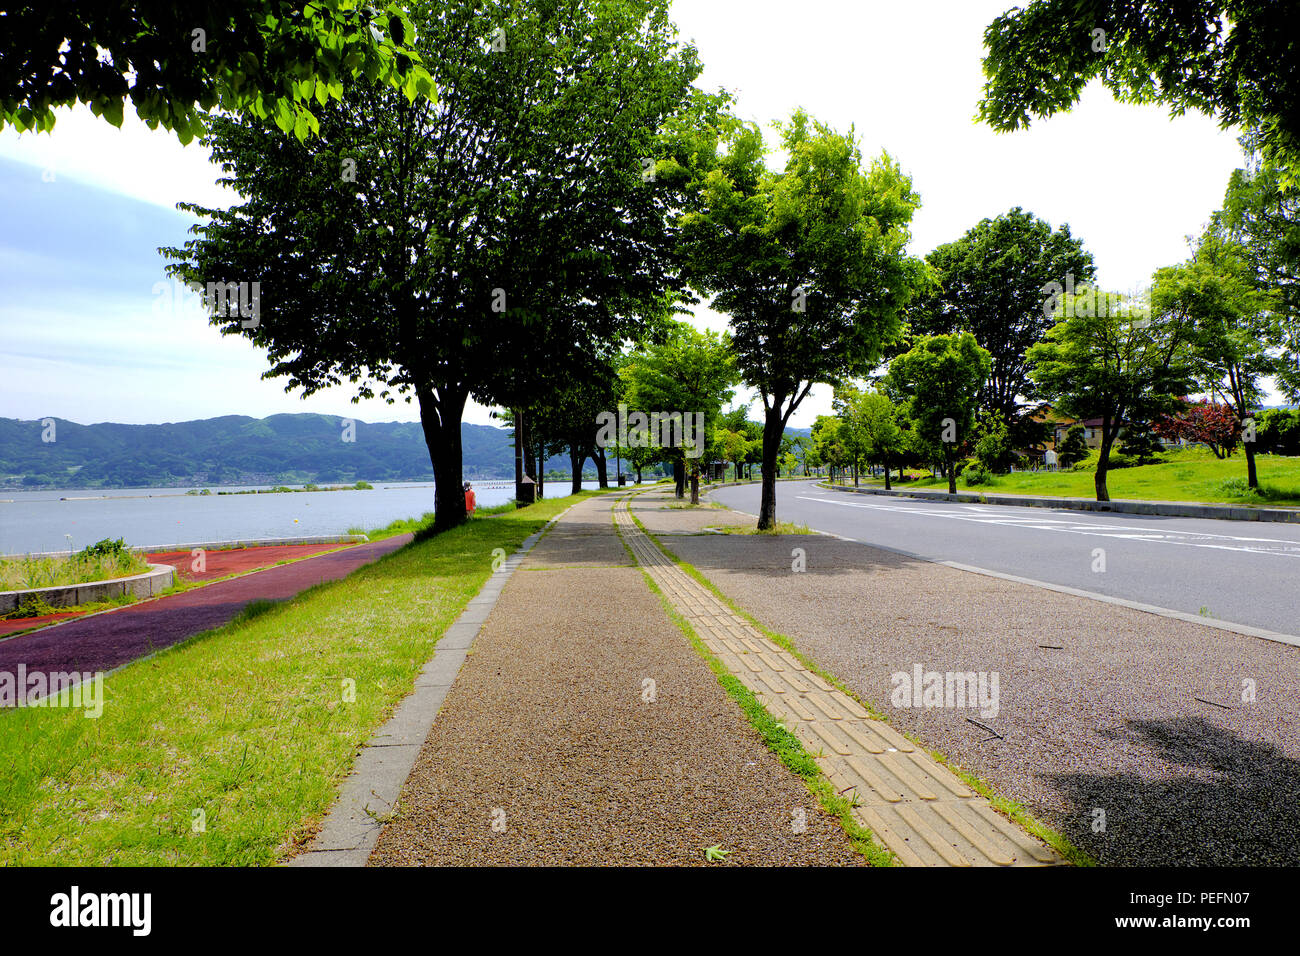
[
  {"x": 248, "y": 723},
  {"x": 22, "y": 573},
  {"x": 1191, "y": 474},
  {"x": 780, "y": 527},
  {"x": 1007, "y": 807}
]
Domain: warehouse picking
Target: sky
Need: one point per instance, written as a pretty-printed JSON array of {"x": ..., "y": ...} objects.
[{"x": 92, "y": 330}]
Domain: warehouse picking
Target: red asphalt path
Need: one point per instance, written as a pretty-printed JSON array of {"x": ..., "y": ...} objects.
[{"x": 101, "y": 642}]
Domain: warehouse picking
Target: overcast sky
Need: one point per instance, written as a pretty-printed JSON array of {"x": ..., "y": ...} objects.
[{"x": 88, "y": 333}]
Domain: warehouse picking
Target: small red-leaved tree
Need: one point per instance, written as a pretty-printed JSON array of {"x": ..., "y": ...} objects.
[{"x": 1214, "y": 426}]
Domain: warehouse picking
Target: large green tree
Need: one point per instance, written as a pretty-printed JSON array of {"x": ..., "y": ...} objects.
[
  {"x": 994, "y": 282},
  {"x": 809, "y": 262},
  {"x": 1233, "y": 59},
  {"x": 940, "y": 378},
  {"x": 1263, "y": 217},
  {"x": 484, "y": 244},
  {"x": 1107, "y": 359},
  {"x": 1235, "y": 327},
  {"x": 177, "y": 61}
]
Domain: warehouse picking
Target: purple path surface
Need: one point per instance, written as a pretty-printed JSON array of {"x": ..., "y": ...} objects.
[{"x": 102, "y": 642}]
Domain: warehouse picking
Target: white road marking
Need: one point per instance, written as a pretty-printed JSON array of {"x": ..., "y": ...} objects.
[{"x": 1189, "y": 539}]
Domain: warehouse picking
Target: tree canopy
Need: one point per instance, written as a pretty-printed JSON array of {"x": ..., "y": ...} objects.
[
  {"x": 993, "y": 283},
  {"x": 488, "y": 243},
  {"x": 177, "y": 61},
  {"x": 1234, "y": 59},
  {"x": 808, "y": 262}
]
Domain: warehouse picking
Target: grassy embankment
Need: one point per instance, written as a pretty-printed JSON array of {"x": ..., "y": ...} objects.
[
  {"x": 1185, "y": 475},
  {"x": 246, "y": 727}
]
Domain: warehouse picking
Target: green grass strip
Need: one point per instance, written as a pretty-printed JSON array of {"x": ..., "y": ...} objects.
[{"x": 229, "y": 748}]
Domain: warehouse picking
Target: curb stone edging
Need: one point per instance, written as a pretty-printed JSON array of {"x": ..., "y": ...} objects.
[
  {"x": 158, "y": 578},
  {"x": 1167, "y": 509},
  {"x": 368, "y": 795}
]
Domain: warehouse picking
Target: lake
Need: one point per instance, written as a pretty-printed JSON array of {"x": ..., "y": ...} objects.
[{"x": 39, "y": 520}]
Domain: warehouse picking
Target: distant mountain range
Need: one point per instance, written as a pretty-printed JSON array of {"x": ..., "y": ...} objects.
[{"x": 237, "y": 450}]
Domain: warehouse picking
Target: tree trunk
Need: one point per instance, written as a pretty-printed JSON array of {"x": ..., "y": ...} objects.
[
  {"x": 440, "y": 416},
  {"x": 576, "y": 460},
  {"x": 855, "y": 474},
  {"x": 695, "y": 486},
  {"x": 539, "y": 471},
  {"x": 887, "y": 474},
  {"x": 951, "y": 468},
  {"x": 1103, "y": 461},
  {"x": 1252, "y": 479},
  {"x": 773, "y": 430},
  {"x": 679, "y": 477},
  {"x": 519, "y": 454},
  {"x": 602, "y": 466}
]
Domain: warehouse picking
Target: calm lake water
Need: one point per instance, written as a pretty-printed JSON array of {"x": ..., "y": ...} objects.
[{"x": 39, "y": 520}]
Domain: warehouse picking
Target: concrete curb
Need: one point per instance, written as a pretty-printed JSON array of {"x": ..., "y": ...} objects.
[
  {"x": 368, "y": 796},
  {"x": 218, "y": 545},
  {"x": 1168, "y": 509},
  {"x": 157, "y": 579}
]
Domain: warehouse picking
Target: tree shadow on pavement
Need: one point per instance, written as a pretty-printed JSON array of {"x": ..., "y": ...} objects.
[{"x": 1238, "y": 803}]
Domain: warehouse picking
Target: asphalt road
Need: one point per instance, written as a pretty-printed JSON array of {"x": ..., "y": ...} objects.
[{"x": 1237, "y": 571}]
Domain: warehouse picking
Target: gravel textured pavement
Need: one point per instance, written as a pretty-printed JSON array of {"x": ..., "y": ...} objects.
[
  {"x": 1101, "y": 709},
  {"x": 546, "y": 750}
]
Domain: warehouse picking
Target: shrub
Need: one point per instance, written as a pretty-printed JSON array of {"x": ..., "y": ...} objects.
[
  {"x": 106, "y": 548},
  {"x": 1073, "y": 448}
]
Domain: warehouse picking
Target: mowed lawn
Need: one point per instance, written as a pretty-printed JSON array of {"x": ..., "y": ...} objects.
[
  {"x": 245, "y": 729},
  {"x": 1188, "y": 475}
]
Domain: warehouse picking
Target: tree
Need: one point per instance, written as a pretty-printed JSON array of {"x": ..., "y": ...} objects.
[
  {"x": 828, "y": 442},
  {"x": 940, "y": 378},
  {"x": 1140, "y": 443},
  {"x": 993, "y": 445},
  {"x": 1233, "y": 59},
  {"x": 1210, "y": 424},
  {"x": 178, "y": 61},
  {"x": 1277, "y": 431},
  {"x": 490, "y": 242},
  {"x": 688, "y": 373},
  {"x": 1264, "y": 219},
  {"x": 994, "y": 282},
  {"x": 808, "y": 262},
  {"x": 1236, "y": 326},
  {"x": 1104, "y": 359},
  {"x": 1074, "y": 447},
  {"x": 874, "y": 421}
]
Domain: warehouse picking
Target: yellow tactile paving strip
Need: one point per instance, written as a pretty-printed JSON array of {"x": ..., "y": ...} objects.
[{"x": 916, "y": 807}]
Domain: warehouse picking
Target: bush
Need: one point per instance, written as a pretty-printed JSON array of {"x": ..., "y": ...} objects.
[
  {"x": 107, "y": 548},
  {"x": 1074, "y": 449}
]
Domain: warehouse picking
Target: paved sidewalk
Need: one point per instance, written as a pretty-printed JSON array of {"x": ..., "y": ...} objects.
[
  {"x": 583, "y": 728},
  {"x": 917, "y": 808}
]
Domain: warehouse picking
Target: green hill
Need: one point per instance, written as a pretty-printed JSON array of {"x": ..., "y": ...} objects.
[{"x": 235, "y": 449}]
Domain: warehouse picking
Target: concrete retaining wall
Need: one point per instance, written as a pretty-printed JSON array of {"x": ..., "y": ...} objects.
[
  {"x": 158, "y": 578},
  {"x": 1169, "y": 509}
]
